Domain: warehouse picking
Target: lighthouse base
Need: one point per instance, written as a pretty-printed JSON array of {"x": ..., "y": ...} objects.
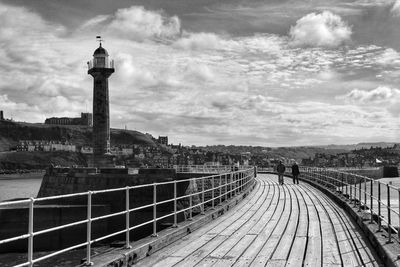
[{"x": 102, "y": 161}]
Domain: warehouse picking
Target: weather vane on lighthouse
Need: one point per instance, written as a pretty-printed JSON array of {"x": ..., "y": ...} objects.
[{"x": 99, "y": 39}]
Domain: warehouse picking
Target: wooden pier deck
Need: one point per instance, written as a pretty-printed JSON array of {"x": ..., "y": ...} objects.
[{"x": 275, "y": 226}]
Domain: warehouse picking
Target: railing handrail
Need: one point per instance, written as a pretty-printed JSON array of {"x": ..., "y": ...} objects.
[
  {"x": 338, "y": 170},
  {"x": 238, "y": 181}
]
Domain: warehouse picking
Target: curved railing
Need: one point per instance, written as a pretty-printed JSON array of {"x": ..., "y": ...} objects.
[
  {"x": 380, "y": 198},
  {"x": 209, "y": 168},
  {"x": 213, "y": 190}
]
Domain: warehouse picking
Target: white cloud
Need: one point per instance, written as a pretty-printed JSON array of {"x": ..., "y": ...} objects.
[
  {"x": 320, "y": 30},
  {"x": 396, "y": 8},
  {"x": 381, "y": 94},
  {"x": 389, "y": 57},
  {"x": 135, "y": 23},
  {"x": 206, "y": 85},
  {"x": 199, "y": 41},
  {"x": 200, "y": 71}
]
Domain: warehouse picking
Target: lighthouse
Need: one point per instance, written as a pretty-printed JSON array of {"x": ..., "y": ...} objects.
[{"x": 101, "y": 68}]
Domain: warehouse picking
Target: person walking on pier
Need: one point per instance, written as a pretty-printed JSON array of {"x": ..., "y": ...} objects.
[
  {"x": 281, "y": 170},
  {"x": 295, "y": 173}
]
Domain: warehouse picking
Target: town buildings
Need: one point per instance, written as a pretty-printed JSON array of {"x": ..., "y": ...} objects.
[
  {"x": 163, "y": 140},
  {"x": 85, "y": 119},
  {"x": 45, "y": 146}
]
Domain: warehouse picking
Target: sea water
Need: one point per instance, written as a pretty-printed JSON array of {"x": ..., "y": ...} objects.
[{"x": 21, "y": 186}]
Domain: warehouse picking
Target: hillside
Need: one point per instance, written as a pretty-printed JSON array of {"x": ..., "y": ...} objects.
[
  {"x": 12, "y": 132},
  {"x": 300, "y": 152},
  {"x": 276, "y": 152},
  {"x": 39, "y": 160},
  {"x": 359, "y": 146}
]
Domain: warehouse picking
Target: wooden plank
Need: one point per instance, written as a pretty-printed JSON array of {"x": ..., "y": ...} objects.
[
  {"x": 263, "y": 234},
  {"x": 347, "y": 249},
  {"x": 198, "y": 255},
  {"x": 270, "y": 246},
  {"x": 314, "y": 247},
  {"x": 166, "y": 262},
  {"x": 303, "y": 221},
  {"x": 284, "y": 246},
  {"x": 330, "y": 251},
  {"x": 229, "y": 258},
  {"x": 205, "y": 232},
  {"x": 296, "y": 255},
  {"x": 201, "y": 234},
  {"x": 267, "y": 216},
  {"x": 175, "y": 250},
  {"x": 240, "y": 247},
  {"x": 239, "y": 213},
  {"x": 251, "y": 252},
  {"x": 250, "y": 218},
  {"x": 276, "y": 263},
  {"x": 367, "y": 255},
  {"x": 349, "y": 232}
]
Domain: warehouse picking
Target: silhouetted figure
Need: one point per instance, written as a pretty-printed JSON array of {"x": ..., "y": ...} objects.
[
  {"x": 281, "y": 170},
  {"x": 295, "y": 173}
]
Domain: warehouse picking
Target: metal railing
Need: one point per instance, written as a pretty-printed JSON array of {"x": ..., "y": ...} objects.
[
  {"x": 380, "y": 198},
  {"x": 209, "y": 168},
  {"x": 265, "y": 169},
  {"x": 211, "y": 191}
]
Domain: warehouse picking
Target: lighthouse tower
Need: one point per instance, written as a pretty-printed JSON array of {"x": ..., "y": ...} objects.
[{"x": 101, "y": 69}]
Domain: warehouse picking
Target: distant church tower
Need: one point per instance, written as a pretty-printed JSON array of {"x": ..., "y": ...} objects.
[{"x": 101, "y": 69}]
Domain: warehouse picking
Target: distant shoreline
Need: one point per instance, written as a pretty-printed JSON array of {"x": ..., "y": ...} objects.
[{"x": 23, "y": 176}]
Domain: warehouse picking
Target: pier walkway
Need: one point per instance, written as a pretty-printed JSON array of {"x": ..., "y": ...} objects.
[{"x": 274, "y": 226}]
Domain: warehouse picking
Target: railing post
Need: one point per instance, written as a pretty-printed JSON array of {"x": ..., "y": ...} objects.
[
  {"x": 191, "y": 201},
  {"x": 202, "y": 195},
  {"x": 239, "y": 181},
  {"x": 351, "y": 191},
  {"x": 314, "y": 174},
  {"x": 342, "y": 183},
  {"x": 389, "y": 214},
  {"x": 212, "y": 192},
  {"x": 127, "y": 243},
  {"x": 89, "y": 229},
  {"x": 230, "y": 185},
  {"x": 347, "y": 185},
  {"x": 243, "y": 179},
  {"x": 175, "y": 206},
  {"x": 379, "y": 207},
  {"x": 240, "y": 175},
  {"x": 398, "y": 231},
  {"x": 154, "y": 210},
  {"x": 30, "y": 229},
  {"x": 359, "y": 196},
  {"x": 226, "y": 187},
  {"x": 365, "y": 193},
  {"x": 220, "y": 189},
  {"x": 236, "y": 184},
  {"x": 372, "y": 201}
]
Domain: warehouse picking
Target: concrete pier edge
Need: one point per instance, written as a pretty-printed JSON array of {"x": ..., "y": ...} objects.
[{"x": 147, "y": 246}]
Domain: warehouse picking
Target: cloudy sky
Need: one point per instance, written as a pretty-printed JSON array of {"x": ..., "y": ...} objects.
[{"x": 270, "y": 73}]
